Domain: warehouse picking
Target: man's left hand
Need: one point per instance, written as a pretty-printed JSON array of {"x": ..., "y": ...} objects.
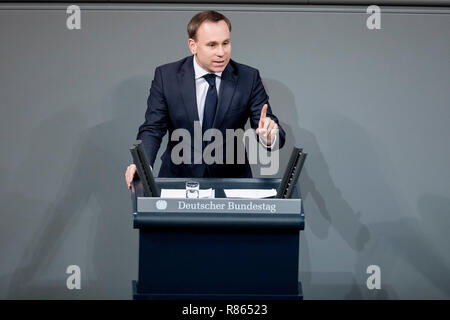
[{"x": 267, "y": 128}]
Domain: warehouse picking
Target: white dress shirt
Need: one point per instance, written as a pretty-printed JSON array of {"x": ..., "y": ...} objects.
[{"x": 202, "y": 86}]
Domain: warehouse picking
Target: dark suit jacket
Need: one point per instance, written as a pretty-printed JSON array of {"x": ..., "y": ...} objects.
[{"x": 172, "y": 104}]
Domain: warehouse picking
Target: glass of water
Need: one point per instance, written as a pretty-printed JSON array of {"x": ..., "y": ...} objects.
[{"x": 192, "y": 189}]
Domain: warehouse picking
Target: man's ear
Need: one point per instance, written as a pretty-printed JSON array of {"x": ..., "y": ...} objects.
[{"x": 192, "y": 46}]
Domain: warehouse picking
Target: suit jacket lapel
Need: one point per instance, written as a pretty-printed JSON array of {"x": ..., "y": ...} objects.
[
  {"x": 227, "y": 88},
  {"x": 186, "y": 82}
]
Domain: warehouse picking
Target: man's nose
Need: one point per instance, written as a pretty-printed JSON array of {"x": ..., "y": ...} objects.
[{"x": 220, "y": 51}]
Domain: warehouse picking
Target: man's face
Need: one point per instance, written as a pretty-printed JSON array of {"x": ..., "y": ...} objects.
[{"x": 213, "y": 46}]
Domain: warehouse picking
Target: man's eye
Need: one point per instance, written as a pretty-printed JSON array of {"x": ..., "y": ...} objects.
[{"x": 211, "y": 44}]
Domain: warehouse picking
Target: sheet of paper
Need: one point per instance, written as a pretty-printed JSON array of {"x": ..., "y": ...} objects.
[
  {"x": 250, "y": 193},
  {"x": 181, "y": 193}
]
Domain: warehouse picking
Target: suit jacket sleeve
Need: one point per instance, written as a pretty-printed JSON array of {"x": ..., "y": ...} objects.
[
  {"x": 258, "y": 99},
  {"x": 154, "y": 128}
]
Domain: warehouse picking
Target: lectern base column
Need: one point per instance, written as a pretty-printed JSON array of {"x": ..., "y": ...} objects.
[{"x": 215, "y": 296}]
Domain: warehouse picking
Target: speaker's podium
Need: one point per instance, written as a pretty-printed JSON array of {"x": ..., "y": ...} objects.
[{"x": 221, "y": 248}]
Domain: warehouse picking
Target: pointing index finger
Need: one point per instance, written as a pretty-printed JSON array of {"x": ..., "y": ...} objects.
[{"x": 263, "y": 112}]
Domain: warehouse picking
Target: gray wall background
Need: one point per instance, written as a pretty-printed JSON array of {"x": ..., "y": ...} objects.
[{"x": 371, "y": 107}]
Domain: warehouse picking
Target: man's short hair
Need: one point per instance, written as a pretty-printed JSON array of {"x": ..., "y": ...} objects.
[{"x": 201, "y": 17}]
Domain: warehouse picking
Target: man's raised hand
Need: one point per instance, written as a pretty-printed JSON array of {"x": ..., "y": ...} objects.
[{"x": 267, "y": 128}]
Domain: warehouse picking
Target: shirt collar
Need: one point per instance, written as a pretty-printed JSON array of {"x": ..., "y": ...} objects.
[{"x": 200, "y": 72}]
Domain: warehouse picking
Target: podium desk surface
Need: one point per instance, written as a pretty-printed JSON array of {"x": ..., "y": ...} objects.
[
  {"x": 220, "y": 212},
  {"x": 219, "y": 184}
]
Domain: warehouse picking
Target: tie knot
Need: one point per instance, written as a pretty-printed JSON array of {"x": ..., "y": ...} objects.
[{"x": 211, "y": 79}]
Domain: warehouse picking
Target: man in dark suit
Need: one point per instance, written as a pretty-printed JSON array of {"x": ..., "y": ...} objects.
[{"x": 210, "y": 91}]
